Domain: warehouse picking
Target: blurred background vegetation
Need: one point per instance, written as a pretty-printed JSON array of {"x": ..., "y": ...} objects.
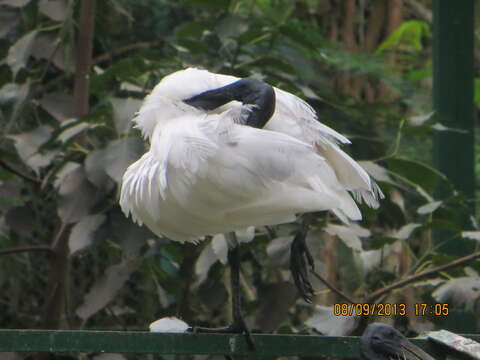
[{"x": 70, "y": 259}]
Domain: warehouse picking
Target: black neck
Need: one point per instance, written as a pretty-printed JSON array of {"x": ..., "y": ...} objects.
[{"x": 248, "y": 91}]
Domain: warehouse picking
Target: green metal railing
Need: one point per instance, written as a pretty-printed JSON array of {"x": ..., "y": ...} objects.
[{"x": 212, "y": 344}]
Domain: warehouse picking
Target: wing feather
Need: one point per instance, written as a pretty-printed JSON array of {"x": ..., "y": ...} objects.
[
  {"x": 193, "y": 148},
  {"x": 217, "y": 179}
]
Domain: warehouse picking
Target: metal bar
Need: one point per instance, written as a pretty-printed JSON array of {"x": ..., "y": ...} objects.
[
  {"x": 453, "y": 89},
  {"x": 456, "y": 343},
  {"x": 453, "y": 86},
  {"x": 212, "y": 344},
  {"x": 145, "y": 342}
]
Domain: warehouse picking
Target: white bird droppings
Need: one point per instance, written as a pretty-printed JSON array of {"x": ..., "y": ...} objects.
[{"x": 169, "y": 324}]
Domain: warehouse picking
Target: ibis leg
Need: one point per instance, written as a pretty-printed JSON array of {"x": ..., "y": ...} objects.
[
  {"x": 300, "y": 260},
  {"x": 238, "y": 325}
]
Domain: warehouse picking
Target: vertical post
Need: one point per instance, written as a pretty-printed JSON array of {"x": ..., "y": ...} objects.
[{"x": 453, "y": 84}]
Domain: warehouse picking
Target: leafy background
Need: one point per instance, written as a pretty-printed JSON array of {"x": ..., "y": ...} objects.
[{"x": 70, "y": 259}]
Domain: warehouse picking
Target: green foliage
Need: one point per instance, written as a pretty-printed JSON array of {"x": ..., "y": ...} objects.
[
  {"x": 408, "y": 37},
  {"x": 66, "y": 169}
]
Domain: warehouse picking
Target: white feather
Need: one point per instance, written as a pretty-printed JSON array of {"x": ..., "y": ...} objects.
[{"x": 205, "y": 173}]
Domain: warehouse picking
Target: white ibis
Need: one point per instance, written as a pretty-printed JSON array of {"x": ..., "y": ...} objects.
[
  {"x": 383, "y": 342},
  {"x": 228, "y": 153}
]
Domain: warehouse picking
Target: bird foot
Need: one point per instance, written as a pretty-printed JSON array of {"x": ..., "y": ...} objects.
[
  {"x": 237, "y": 327},
  {"x": 300, "y": 257}
]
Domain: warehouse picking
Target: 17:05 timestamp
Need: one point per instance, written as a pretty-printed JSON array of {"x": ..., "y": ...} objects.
[
  {"x": 431, "y": 309},
  {"x": 419, "y": 309}
]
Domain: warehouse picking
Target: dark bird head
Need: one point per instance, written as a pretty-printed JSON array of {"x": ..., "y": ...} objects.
[
  {"x": 248, "y": 91},
  {"x": 383, "y": 342}
]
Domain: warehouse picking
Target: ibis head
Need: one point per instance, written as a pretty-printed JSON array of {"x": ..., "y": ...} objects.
[
  {"x": 256, "y": 93},
  {"x": 383, "y": 342}
]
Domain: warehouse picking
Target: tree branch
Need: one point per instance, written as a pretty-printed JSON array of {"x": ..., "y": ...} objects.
[
  {"x": 55, "y": 297},
  {"x": 25, "y": 249},
  {"x": 401, "y": 283},
  {"x": 333, "y": 288},
  {"x": 124, "y": 49},
  {"x": 101, "y": 59},
  {"x": 421, "y": 11},
  {"x": 84, "y": 56},
  {"x": 18, "y": 173}
]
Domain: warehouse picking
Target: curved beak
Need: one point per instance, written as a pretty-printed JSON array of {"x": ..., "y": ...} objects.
[{"x": 413, "y": 352}]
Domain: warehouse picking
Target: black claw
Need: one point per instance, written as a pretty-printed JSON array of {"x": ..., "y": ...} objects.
[
  {"x": 300, "y": 256},
  {"x": 244, "y": 330},
  {"x": 237, "y": 327}
]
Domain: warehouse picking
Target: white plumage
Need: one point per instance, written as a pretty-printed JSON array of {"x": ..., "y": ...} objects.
[{"x": 206, "y": 173}]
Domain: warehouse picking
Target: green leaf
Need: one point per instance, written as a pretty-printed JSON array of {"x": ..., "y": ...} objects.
[
  {"x": 417, "y": 172},
  {"x": 301, "y": 35},
  {"x": 448, "y": 225},
  {"x": 77, "y": 195},
  {"x": 15, "y": 3},
  {"x": 73, "y": 127},
  {"x": 408, "y": 36},
  {"x": 474, "y": 235},
  {"x": 59, "y": 105},
  {"x": 130, "y": 236},
  {"x": 191, "y": 45},
  {"x": 350, "y": 235},
  {"x": 275, "y": 301},
  {"x": 128, "y": 69},
  {"x": 106, "y": 288},
  {"x": 277, "y": 11},
  {"x": 19, "y": 52},
  {"x": 327, "y": 323},
  {"x": 429, "y": 208},
  {"x": 209, "y": 4},
  {"x": 49, "y": 48},
  {"x": 377, "y": 242},
  {"x": 231, "y": 27},
  {"x": 54, "y": 9},
  {"x": 274, "y": 65},
  {"x": 119, "y": 154},
  {"x": 83, "y": 232},
  {"x": 192, "y": 29},
  {"x": 379, "y": 173},
  {"x": 255, "y": 34},
  {"x": 95, "y": 170},
  {"x": 9, "y": 19},
  {"x": 406, "y": 231},
  {"x": 421, "y": 119},
  {"x": 9, "y": 92},
  {"x": 28, "y": 145},
  {"x": 123, "y": 112},
  {"x": 278, "y": 251},
  {"x": 459, "y": 292}
]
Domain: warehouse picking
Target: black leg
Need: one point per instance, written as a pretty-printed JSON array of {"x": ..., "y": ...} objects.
[
  {"x": 234, "y": 261},
  {"x": 238, "y": 325},
  {"x": 300, "y": 260}
]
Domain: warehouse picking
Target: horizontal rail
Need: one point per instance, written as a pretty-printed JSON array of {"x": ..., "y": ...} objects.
[
  {"x": 456, "y": 343},
  {"x": 154, "y": 343}
]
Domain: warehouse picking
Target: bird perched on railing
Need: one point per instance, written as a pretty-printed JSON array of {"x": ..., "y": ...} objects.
[
  {"x": 228, "y": 153},
  {"x": 383, "y": 342}
]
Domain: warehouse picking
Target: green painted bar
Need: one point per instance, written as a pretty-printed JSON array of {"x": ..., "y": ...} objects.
[
  {"x": 453, "y": 88},
  {"x": 453, "y": 100},
  {"x": 212, "y": 344},
  {"x": 144, "y": 342}
]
